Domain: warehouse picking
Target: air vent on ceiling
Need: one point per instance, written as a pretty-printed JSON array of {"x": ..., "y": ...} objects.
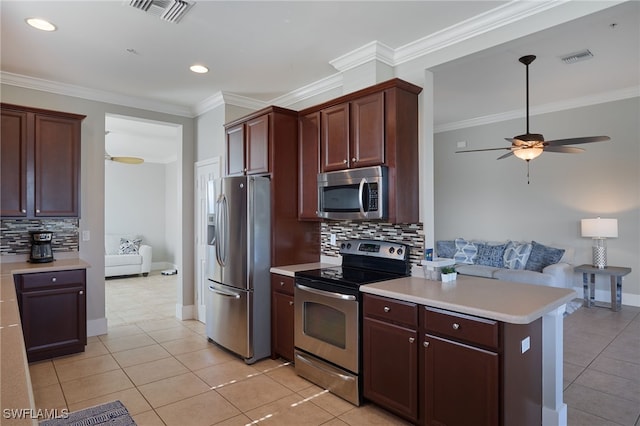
[
  {"x": 167, "y": 10},
  {"x": 577, "y": 57}
]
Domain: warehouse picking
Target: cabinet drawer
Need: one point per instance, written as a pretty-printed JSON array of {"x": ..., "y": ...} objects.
[
  {"x": 405, "y": 313},
  {"x": 47, "y": 279},
  {"x": 461, "y": 327},
  {"x": 282, "y": 283}
]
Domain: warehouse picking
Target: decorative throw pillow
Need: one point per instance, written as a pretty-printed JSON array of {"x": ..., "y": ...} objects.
[
  {"x": 446, "y": 249},
  {"x": 128, "y": 246},
  {"x": 516, "y": 254},
  {"x": 542, "y": 256},
  {"x": 466, "y": 251},
  {"x": 491, "y": 255}
]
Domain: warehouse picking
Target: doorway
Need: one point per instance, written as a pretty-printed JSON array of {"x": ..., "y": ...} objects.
[{"x": 142, "y": 198}]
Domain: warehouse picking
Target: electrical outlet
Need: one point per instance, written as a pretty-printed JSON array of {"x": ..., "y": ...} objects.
[
  {"x": 525, "y": 344},
  {"x": 462, "y": 144},
  {"x": 86, "y": 235},
  {"x": 333, "y": 239}
]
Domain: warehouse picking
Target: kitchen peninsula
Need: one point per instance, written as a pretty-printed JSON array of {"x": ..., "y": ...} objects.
[{"x": 494, "y": 310}]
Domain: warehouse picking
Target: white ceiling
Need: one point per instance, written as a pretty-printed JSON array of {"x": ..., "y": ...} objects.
[{"x": 275, "y": 52}]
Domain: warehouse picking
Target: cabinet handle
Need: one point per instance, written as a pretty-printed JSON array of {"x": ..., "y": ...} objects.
[
  {"x": 456, "y": 326},
  {"x": 54, "y": 279},
  {"x": 425, "y": 344},
  {"x": 354, "y": 160},
  {"x": 281, "y": 283},
  {"x": 290, "y": 303},
  {"x": 37, "y": 210},
  {"x": 24, "y": 210},
  {"x": 344, "y": 161},
  {"x": 411, "y": 339},
  {"x": 81, "y": 292},
  {"x": 387, "y": 309},
  {"x": 244, "y": 170}
]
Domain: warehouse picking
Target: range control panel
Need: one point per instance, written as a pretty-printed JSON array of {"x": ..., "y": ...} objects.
[{"x": 376, "y": 248}]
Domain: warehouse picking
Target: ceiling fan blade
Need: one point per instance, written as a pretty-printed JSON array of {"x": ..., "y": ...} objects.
[
  {"x": 484, "y": 149},
  {"x": 573, "y": 141},
  {"x": 563, "y": 149},
  {"x": 507, "y": 155}
]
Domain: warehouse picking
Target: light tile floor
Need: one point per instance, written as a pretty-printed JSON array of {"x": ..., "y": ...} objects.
[{"x": 166, "y": 372}]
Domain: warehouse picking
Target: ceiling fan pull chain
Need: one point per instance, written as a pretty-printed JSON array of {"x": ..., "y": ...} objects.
[{"x": 528, "y": 182}]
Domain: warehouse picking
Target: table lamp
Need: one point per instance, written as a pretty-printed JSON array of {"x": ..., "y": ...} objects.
[{"x": 599, "y": 229}]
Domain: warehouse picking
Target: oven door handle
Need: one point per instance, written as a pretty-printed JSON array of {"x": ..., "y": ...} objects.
[
  {"x": 319, "y": 367},
  {"x": 326, "y": 293}
]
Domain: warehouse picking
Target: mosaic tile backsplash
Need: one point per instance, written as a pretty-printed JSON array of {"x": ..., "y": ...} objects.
[
  {"x": 407, "y": 233},
  {"x": 14, "y": 234}
]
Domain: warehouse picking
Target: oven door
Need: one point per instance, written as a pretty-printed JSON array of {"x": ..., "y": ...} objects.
[{"x": 326, "y": 324}]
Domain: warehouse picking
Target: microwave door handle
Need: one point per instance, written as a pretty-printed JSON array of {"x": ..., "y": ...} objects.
[{"x": 363, "y": 182}]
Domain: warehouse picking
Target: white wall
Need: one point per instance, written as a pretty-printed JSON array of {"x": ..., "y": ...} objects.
[
  {"x": 141, "y": 200},
  {"x": 477, "y": 196}
]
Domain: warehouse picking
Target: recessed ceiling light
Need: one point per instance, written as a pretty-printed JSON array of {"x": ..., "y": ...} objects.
[
  {"x": 41, "y": 24},
  {"x": 200, "y": 69}
]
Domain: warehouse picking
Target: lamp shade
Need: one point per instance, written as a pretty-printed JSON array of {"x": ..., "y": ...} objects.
[{"x": 599, "y": 228}]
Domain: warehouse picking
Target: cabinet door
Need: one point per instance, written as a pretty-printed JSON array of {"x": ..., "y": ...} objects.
[
  {"x": 335, "y": 137},
  {"x": 283, "y": 311},
  {"x": 56, "y": 166},
  {"x": 257, "y": 145},
  {"x": 390, "y": 364},
  {"x": 308, "y": 165},
  {"x": 13, "y": 164},
  {"x": 235, "y": 150},
  {"x": 461, "y": 383},
  {"x": 367, "y": 125},
  {"x": 54, "y": 321}
]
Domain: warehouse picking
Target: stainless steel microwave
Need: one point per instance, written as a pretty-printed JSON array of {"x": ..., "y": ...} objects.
[{"x": 354, "y": 194}]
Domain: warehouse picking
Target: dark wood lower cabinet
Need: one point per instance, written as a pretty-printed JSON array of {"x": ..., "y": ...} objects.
[
  {"x": 53, "y": 312},
  {"x": 447, "y": 368},
  {"x": 282, "y": 316}
]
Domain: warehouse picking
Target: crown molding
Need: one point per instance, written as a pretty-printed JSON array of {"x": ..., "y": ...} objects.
[
  {"x": 224, "y": 98},
  {"x": 92, "y": 94},
  {"x": 616, "y": 95},
  {"x": 370, "y": 51},
  {"x": 316, "y": 88}
]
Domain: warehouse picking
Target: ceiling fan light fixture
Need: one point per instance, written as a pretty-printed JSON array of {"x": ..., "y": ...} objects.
[{"x": 528, "y": 154}]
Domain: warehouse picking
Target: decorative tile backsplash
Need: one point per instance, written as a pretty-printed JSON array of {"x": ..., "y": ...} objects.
[
  {"x": 14, "y": 234},
  {"x": 407, "y": 233}
]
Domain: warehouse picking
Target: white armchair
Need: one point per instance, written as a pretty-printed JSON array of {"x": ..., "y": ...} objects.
[{"x": 126, "y": 255}]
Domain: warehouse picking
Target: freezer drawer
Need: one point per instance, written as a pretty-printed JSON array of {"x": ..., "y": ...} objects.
[{"x": 228, "y": 318}]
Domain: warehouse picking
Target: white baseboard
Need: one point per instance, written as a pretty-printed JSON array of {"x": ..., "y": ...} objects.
[
  {"x": 97, "y": 327},
  {"x": 605, "y": 296},
  {"x": 186, "y": 312}
]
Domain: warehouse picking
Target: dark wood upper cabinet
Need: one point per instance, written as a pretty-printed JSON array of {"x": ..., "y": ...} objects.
[
  {"x": 235, "y": 150},
  {"x": 309, "y": 165},
  {"x": 248, "y": 147},
  {"x": 40, "y": 163},
  {"x": 373, "y": 126}
]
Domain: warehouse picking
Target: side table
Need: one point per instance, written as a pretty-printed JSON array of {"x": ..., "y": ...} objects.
[{"x": 588, "y": 285}]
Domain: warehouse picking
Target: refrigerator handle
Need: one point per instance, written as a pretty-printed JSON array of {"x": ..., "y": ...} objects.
[{"x": 221, "y": 228}]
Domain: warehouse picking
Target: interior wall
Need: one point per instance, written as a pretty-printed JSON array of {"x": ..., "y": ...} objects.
[
  {"x": 477, "y": 196},
  {"x": 135, "y": 204}
]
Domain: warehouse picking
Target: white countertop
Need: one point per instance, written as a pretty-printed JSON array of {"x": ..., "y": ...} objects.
[{"x": 505, "y": 301}]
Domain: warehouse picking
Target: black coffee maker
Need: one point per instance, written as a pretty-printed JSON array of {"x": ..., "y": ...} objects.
[{"x": 41, "y": 251}]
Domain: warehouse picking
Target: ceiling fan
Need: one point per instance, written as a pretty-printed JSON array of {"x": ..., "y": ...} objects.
[
  {"x": 126, "y": 160},
  {"x": 530, "y": 145}
]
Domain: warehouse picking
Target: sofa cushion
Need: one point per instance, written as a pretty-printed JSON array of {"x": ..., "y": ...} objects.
[
  {"x": 466, "y": 251},
  {"x": 516, "y": 254},
  {"x": 491, "y": 255},
  {"x": 446, "y": 248},
  {"x": 122, "y": 259},
  {"x": 129, "y": 246},
  {"x": 477, "y": 270},
  {"x": 542, "y": 256}
]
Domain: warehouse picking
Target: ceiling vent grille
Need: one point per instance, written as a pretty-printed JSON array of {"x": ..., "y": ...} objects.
[
  {"x": 577, "y": 57},
  {"x": 167, "y": 10}
]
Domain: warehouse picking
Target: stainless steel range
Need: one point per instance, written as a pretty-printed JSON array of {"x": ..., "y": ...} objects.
[{"x": 328, "y": 318}]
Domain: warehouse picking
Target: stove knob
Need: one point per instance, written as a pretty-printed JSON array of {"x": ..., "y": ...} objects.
[
  {"x": 342, "y": 245},
  {"x": 391, "y": 250},
  {"x": 348, "y": 245},
  {"x": 399, "y": 252}
]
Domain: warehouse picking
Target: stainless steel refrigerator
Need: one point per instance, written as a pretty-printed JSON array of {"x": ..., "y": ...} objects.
[{"x": 238, "y": 304}]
